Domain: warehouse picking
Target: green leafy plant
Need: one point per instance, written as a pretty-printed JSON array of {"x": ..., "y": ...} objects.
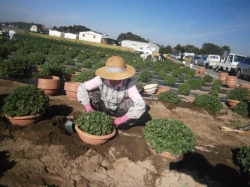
[
  {"x": 243, "y": 158},
  {"x": 86, "y": 64},
  {"x": 169, "y": 79},
  {"x": 84, "y": 76},
  {"x": 145, "y": 75},
  {"x": 209, "y": 102},
  {"x": 184, "y": 89},
  {"x": 239, "y": 94},
  {"x": 166, "y": 135},
  {"x": 195, "y": 83},
  {"x": 169, "y": 97},
  {"x": 242, "y": 108},
  {"x": 37, "y": 58},
  {"x": 95, "y": 123},
  {"x": 218, "y": 83},
  {"x": 208, "y": 78},
  {"x": 69, "y": 70},
  {"x": 25, "y": 100},
  {"x": 17, "y": 67}
]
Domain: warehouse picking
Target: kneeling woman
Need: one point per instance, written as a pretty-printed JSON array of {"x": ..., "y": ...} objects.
[{"x": 113, "y": 92}]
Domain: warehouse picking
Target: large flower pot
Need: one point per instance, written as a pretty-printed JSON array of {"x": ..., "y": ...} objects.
[
  {"x": 165, "y": 154},
  {"x": 50, "y": 84},
  {"x": 223, "y": 77},
  {"x": 245, "y": 85},
  {"x": 162, "y": 89},
  {"x": 232, "y": 103},
  {"x": 71, "y": 89},
  {"x": 93, "y": 139},
  {"x": 231, "y": 81},
  {"x": 201, "y": 70},
  {"x": 24, "y": 120}
]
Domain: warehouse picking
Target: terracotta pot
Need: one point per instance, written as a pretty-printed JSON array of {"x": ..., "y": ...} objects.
[
  {"x": 24, "y": 120},
  {"x": 232, "y": 103},
  {"x": 71, "y": 89},
  {"x": 231, "y": 81},
  {"x": 223, "y": 77},
  {"x": 165, "y": 154},
  {"x": 245, "y": 85},
  {"x": 201, "y": 70},
  {"x": 162, "y": 89},
  {"x": 50, "y": 84},
  {"x": 93, "y": 139}
]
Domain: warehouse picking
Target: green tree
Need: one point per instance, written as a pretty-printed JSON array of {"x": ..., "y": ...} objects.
[
  {"x": 224, "y": 49},
  {"x": 177, "y": 48},
  {"x": 131, "y": 36},
  {"x": 209, "y": 48}
]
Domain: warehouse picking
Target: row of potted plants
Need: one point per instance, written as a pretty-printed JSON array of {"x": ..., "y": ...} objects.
[{"x": 96, "y": 127}]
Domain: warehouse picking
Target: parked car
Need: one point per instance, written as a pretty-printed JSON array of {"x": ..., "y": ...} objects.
[
  {"x": 195, "y": 59},
  {"x": 201, "y": 61},
  {"x": 243, "y": 68},
  {"x": 213, "y": 59}
]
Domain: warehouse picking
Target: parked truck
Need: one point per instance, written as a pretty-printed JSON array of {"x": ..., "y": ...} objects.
[
  {"x": 145, "y": 50},
  {"x": 229, "y": 63}
]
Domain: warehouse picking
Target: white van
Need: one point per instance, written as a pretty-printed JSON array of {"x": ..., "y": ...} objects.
[{"x": 212, "y": 60}]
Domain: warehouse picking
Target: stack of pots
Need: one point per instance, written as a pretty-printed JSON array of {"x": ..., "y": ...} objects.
[
  {"x": 150, "y": 88},
  {"x": 231, "y": 81},
  {"x": 223, "y": 77}
]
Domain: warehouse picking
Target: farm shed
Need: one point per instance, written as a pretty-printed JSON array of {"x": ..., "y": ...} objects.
[
  {"x": 90, "y": 36},
  {"x": 33, "y": 28},
  {"x": 109, "y": 40},
  {"x": 136, "y": 44},
  {"x": 56, "y": 33},
  {"x": 70, "y": 36}
]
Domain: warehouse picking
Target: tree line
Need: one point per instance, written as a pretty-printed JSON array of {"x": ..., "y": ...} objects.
[{"x": 207, "y": 48}]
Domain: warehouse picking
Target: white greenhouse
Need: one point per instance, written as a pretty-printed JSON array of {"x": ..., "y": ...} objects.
[
  {"x": 137, "y": 45},
  {"x": 56, "y": 33},
  {"x": 70, "y": 36},
  {"x": 90, "y": 36}
]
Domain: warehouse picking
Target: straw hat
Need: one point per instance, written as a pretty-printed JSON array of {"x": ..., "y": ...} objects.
[{"x": 115, "y": 69}]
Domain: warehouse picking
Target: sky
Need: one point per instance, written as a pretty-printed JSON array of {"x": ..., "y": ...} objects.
[{"x": 164, "y": 22}]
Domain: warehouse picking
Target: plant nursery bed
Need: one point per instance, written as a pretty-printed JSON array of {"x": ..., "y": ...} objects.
[{"x": 45, "y": 154}]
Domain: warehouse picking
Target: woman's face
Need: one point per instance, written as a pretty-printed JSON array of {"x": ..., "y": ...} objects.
[{"x": 114, "y": 82}]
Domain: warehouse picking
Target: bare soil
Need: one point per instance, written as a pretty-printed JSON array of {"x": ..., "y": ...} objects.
[{"x": 45, "y": 154}]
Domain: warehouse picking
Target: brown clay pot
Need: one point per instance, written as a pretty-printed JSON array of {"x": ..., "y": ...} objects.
[
  {"x": 162, "y": 89},
  {"x": 50, "y": 84},
  {"x": 24, "y": 120},
  {"x": 71, "y": 89},
  {"x": 232, "y": 103},
  {"x": 231, "y": 81},
  {"x": 201, "y": 69},
  {"x": 223, "y": 77},
  {"x": 245, "y": 85},
  {"x": 165, "y": 154},
  {"x": 93, "y": 139}
]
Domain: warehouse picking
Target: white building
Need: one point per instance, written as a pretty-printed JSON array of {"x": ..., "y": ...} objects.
[
  {"x": 56, "y": 33},
  {"x": 33, "y": 28},
  {"x": 138, "y": 45},
  {"x": 90, "y": 36},
  {"x": 70, "y": 36}
]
